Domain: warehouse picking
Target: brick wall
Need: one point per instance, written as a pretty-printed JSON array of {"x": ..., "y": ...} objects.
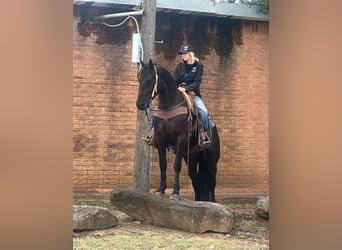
[
  {"x": 104, "y": 112},
  {"x": 235, "y": 89}
]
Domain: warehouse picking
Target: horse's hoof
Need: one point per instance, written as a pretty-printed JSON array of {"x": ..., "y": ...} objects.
[
  {"x": 159, "y": 193},
  {"x": 174, "y": 197}
]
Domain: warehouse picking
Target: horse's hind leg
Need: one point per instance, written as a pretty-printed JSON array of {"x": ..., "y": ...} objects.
[
  {"x": 193, "y": 173},
  {"x": 162, "y": 166},
  {"x": 204, "y": 181},
  {"x": 211, "y": 167},
  {"x": 212, "y": 185}
]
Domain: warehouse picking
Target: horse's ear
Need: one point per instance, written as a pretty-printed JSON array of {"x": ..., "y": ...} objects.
[
  {"x": 150, "y": 64},
  {"x": 142, "y": 63}
]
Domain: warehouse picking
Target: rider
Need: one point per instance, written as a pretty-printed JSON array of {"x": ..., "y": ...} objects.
[{"x": 188, "y": 76}]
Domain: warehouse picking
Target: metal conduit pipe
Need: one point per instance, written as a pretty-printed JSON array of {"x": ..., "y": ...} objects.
[{"x": 130, "y": 13}]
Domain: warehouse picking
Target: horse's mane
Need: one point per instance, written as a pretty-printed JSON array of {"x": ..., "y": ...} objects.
[{"x": 165, "y": 74}]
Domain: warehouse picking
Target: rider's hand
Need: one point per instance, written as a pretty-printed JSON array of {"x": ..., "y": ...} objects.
[
  {"x": 192, "y": 93},
  {"x": 181, "y": 89}
]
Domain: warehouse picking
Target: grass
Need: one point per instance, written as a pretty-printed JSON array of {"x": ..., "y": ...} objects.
[{"x": 161, "y": 242}]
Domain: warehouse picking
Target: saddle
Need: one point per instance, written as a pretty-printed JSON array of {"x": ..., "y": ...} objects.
[{"x": 193, "y": 118}]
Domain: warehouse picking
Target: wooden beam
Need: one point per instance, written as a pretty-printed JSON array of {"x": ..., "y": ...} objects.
[{"x": 142, "y": 164}]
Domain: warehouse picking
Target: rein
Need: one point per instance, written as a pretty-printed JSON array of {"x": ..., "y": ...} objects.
[{"x": 147, "y": 116}]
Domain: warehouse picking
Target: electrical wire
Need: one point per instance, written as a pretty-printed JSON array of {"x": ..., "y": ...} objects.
[
  {"x": 138, "y": 30},
  {"x": 119, "y": 24}
]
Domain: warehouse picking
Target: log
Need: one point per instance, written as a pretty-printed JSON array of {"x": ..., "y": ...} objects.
[{"x": 185, "y": 215}]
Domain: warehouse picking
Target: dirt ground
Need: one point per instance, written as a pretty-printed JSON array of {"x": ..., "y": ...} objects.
[{"x": 249, "y": 232}]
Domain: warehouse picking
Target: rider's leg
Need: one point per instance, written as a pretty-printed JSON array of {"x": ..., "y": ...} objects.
[{"x": 204, "y": 116}]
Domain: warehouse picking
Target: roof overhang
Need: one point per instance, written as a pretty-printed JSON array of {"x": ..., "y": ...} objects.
[{"x": 191, "y": 7}]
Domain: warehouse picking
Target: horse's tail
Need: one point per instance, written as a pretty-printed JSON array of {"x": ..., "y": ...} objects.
[{"x": 215, "y": 141}]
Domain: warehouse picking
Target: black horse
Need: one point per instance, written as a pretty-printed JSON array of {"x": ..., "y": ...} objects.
[{"x": 174, "y": 129}]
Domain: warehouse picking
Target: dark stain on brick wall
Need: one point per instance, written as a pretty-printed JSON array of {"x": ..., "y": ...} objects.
[
  {"x": 169, "y": 29},
  {"x": 85, "y": 25},
  {"x": 120, "y": 35},
  {"x": 79, "y": 142},
  {"x": 105, "y": 34},
  {"x": 227, "y": 32},
  {"x": 83, "y": 142},
  {"x": 203, "y": 33}
]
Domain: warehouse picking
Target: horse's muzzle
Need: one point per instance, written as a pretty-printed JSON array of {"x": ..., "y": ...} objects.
[{"x": 141, "y": 106}]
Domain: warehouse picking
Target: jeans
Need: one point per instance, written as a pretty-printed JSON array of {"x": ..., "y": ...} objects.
[{"x": 203, "y": 113}]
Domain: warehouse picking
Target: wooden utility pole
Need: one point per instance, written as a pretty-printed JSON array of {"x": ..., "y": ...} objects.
[{"x": 142, "y": 164}]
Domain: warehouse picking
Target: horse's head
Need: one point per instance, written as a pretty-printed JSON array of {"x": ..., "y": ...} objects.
[{"x": 147, "y": 85}]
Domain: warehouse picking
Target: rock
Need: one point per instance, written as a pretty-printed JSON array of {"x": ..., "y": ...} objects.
[
  {"x": 92, "y": 217},
  {"x": 186, "y": 215},
  {"x": 262, "y": 207}
]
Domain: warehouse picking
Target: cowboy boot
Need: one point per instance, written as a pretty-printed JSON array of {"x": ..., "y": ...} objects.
[{"x": 204, "y": 139}]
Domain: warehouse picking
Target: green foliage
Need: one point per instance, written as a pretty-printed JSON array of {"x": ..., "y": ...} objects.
[{"x": 262, "y": 5}]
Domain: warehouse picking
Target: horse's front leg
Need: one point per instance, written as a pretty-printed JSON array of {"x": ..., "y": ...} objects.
[
  {"x": 162, "y": 166},
  {"x": 177, "y": 168}
]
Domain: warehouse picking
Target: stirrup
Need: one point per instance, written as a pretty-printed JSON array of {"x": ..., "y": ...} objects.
[
  {"x": 204, "y": 142},
  {"x": 148, "y": 139}
]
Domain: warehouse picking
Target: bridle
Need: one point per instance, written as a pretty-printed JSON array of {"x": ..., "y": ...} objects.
[
  {"x": 155, "y": 87},
  {"x": 154, "y": 90}
]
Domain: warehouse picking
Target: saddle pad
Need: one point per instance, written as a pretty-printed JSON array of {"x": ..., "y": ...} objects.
[{"x": 167, "y": 114}]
